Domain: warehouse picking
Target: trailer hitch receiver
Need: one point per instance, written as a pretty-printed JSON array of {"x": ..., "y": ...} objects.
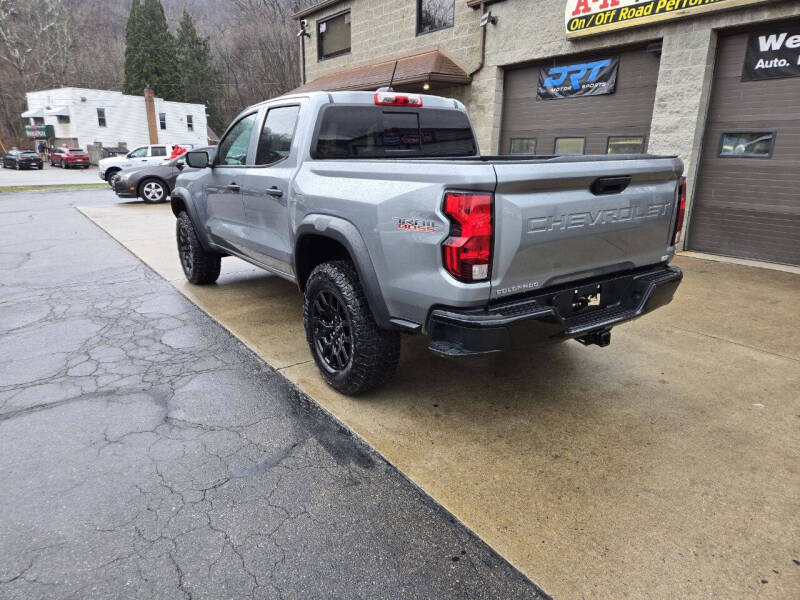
[{"x": 600, "y": 338}]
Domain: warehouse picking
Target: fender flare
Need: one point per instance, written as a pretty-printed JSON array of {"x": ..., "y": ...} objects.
[
  {"x": 347, "y": 235},
  {"x": 180, "y": 199}
]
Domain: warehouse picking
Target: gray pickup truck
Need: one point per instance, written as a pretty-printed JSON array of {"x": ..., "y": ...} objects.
[{"x": 379, "y": 206}]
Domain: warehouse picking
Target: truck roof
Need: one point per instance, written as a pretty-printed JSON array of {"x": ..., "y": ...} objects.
[{"x": 428, "y": 100}]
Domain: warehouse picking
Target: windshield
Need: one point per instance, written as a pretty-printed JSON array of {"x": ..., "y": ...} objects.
[
  {"x": 30, "y": 154},
  {"x": 76, "y": 151}
]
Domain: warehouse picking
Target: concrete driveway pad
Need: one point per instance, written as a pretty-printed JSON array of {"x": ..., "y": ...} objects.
[{"x": 665, "y": 465}]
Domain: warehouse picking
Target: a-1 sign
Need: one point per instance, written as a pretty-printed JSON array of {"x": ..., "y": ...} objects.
[{"x": 590, "y": 17}]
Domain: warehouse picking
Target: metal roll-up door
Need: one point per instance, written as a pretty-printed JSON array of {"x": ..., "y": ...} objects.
[
  {"x": 749, "y": 207},
  {"x": 626, "y": 112}
]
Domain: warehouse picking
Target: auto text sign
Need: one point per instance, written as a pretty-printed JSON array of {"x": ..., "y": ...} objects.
[
  {"x": 581, "y": 78},
  {"x": 590, "y": 17},
  {"x": 772, "y": 53}
]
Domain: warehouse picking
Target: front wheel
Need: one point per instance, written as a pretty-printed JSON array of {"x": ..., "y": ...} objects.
[
  {"x": 152, "y": 191},
  {"x": 63, "y": 164},
  {"x": 352, "y": 353},
  {"x": 200, "y": 266}
]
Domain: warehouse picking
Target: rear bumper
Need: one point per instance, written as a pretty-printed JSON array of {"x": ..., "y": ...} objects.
[{"x": 552, "y": 315}]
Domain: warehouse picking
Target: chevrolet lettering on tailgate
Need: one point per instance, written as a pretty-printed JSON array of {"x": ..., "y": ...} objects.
[{"x": 589, "y": 218}]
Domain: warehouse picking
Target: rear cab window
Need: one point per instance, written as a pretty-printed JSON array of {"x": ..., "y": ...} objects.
[{"x": 359, "y": 131}]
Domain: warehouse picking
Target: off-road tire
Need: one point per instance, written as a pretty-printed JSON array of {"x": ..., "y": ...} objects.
[
  {"x": 374, "y": 352},
  {"x": 200, "y": 266}
]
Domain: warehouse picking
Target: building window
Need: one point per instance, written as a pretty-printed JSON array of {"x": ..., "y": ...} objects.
[
  {"x": 333, "y": 36},
  {"x": 101, "y": 117},
  {"x": 625, "y": 144},
  {"x": 190, "y": 122},
  {"x": 748, "y": 144},
  {"x": 434, "y": 14},
  {"x": 38, "y": 120},
  {"x": 569, "y": 145},
  {"x": 522, "y": 145},
  {"x": 63, "y": 119},
  {"x": 162, "y": 120}
]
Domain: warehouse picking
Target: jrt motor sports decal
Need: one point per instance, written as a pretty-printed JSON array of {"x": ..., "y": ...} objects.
[
  {"x": 586, "y": 78},
  {"x": 589, "y": 17},
  {"x": 772, "y": 53}
]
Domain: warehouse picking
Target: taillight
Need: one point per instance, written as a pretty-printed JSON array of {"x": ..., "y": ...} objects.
[
  {"x": 394, "y": 99},
  {"x": 676, "y": 238},
  {"x": 468, "y": 250}
]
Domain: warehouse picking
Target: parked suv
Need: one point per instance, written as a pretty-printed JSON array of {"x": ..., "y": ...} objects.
[
  {"x": 138, "y": 157},
  {"x": 22, "y": 159},
  {"x": 65, "y": 158},
  {"x": 380, "y": 208}
]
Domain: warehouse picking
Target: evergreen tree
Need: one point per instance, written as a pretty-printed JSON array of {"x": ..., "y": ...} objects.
[
  {"x": 195, "y": 70},
  {"x": 150, "y": 52},
  {"x": 134, "y": 83}
]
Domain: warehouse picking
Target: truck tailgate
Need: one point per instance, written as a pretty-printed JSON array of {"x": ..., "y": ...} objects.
[{"x": 567, "y": 219}]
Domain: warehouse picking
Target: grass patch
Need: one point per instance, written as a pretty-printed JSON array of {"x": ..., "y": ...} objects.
[{"x": 4, "y": 189}]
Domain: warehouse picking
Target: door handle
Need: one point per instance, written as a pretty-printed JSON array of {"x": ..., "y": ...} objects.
[
  {"x": 233, "y": 187},
  {"x": 273, "y": 191}
]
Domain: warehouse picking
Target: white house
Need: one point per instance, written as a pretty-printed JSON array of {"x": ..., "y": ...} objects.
[{"x": 83, "y": 116}]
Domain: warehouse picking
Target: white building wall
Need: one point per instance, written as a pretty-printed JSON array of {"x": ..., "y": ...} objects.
[
  {"x": 177, "y": 131},
  {"x": 126, "y": 119}
]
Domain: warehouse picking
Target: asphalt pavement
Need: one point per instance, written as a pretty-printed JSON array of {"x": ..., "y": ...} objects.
[
  {"x": 48, "y": 176},
  {"x": 146, "y": 453}
]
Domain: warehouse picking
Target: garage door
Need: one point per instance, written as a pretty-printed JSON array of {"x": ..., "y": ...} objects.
[
  {"x": 619, "y": 122},
  {"x": 747, "y": 201}
]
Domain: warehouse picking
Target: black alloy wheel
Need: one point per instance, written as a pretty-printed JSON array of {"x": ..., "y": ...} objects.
[
  {"x": 200, "y": 266},
  {"x": 332, "y": 330}
]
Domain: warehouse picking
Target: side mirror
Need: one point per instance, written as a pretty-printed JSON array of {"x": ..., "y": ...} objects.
[
  {"x": 180, "y": 164},
  {"x": 197, "y": 160}
]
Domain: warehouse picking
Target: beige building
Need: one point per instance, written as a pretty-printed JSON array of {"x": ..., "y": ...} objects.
[{"x": 716, "y": 82}]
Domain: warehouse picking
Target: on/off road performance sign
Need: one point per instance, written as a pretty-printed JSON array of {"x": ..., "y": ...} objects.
[
  {"x": 587, "y": 78},
  {"x": 772, "y": 53},
  {"x": 590, "y": 17}
]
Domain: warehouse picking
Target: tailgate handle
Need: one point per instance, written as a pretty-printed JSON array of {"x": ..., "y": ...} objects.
[{"x": 610, "y": 185}]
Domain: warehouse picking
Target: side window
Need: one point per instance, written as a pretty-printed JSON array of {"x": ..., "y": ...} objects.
[
  {"x": 138, "y": 153},
  {"x": 233, "y": 149},
  {"x": 276, "y": 136},
  {"x": 158, "y": 151}
]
